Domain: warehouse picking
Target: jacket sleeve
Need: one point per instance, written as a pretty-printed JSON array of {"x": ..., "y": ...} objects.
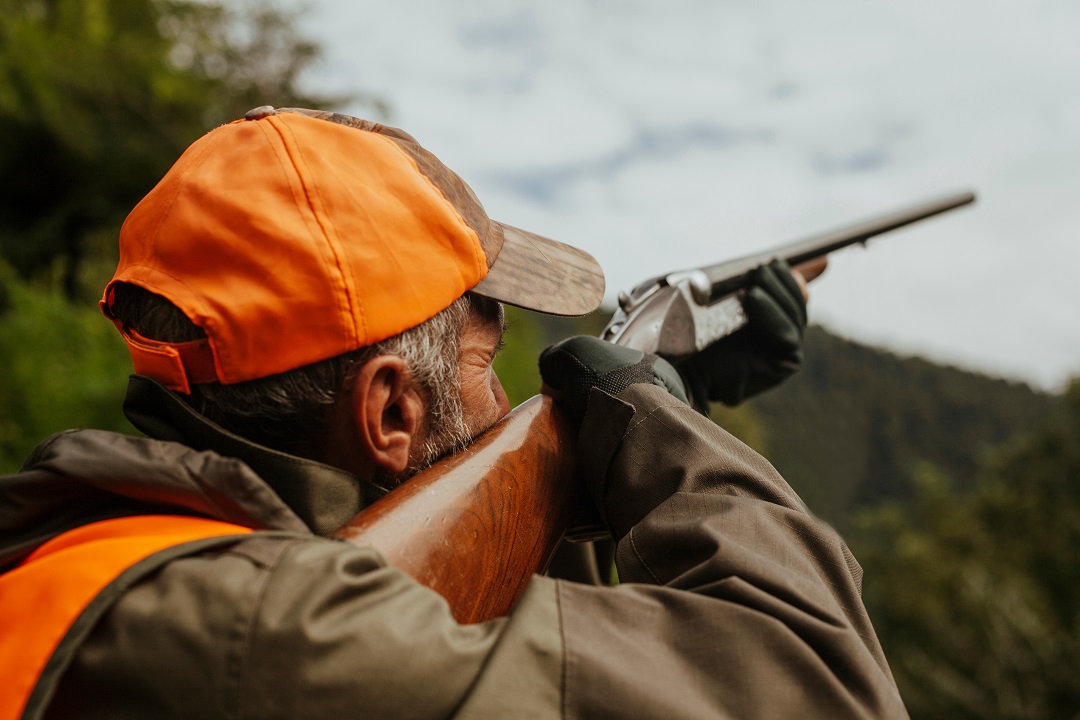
[{"x": 734, "y": 602}]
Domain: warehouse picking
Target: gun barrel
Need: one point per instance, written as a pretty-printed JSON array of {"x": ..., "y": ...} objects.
[{"x": 727, "y": 277}]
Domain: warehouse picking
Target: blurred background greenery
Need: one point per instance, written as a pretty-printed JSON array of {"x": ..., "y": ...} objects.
[{"x": 957, "y": 491}]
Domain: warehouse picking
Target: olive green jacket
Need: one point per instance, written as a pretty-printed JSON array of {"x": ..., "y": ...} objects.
[{"x": 734, "y": 603}]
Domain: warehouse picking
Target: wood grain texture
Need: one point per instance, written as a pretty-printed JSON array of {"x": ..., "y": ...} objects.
[{"x": 477, "y": 525}]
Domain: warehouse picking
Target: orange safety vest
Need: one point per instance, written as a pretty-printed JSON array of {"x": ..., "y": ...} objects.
[{"x": 41, "y": 598}]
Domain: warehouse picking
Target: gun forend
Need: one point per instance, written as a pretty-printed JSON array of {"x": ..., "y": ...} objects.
[{"x": 726, "y": 277}]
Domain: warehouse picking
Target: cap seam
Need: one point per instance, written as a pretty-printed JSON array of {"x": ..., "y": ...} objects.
[
  {"x": 478, "y": 255},
  {"x": 358, "y": 321}
]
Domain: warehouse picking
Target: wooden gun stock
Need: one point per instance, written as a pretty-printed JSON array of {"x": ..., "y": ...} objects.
[{"x": 477, "y": 525}]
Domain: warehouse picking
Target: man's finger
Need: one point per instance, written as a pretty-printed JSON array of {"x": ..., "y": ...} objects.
[{"x": 807, "y": 272}]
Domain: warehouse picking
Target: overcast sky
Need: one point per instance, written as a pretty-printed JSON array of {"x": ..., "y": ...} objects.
[{"x": 664, "y": 135}]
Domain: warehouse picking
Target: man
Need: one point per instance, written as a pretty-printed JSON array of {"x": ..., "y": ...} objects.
[{"x": 312, "y": 304}]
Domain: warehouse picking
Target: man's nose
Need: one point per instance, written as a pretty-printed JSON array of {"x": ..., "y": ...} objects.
[{"x": 502, "y": 402}]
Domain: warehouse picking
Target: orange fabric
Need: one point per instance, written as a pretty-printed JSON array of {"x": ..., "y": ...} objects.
[
  {"x": 176, "y": 365},
  {"x": 290, "y": 240},
  {"x": 42, "y": 597}
]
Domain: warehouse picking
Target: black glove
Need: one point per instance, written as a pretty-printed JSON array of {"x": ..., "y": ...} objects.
[
  {"x": 760, "y": 355},
  {"x": 573, "y": 367}
]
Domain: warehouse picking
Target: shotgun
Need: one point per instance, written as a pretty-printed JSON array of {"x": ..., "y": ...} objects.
[{"x": 477, "y": 525}]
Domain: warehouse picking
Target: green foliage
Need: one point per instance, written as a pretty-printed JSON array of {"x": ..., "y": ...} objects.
[
  {"x": 64, "y": 366},
  {"x": 516, "y": 362},
  {"x": 527, "y": 334},
  {"x": 99, "y": 97},
  {"x": 976, "y": 596},
  {"x": 850, "y": 429}
]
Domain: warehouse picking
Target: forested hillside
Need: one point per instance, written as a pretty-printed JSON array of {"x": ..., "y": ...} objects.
[
  {"x": 850, "y": 429},
  {"x": 976, "y": 595}
]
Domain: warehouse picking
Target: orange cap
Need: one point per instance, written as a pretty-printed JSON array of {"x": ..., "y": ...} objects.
[{"x": 293, "y": 236}]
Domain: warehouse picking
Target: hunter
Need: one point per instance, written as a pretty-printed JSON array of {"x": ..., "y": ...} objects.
[{"x": 312, "y": 303}]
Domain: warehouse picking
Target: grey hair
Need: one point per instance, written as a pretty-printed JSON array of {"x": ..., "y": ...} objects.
[{"x": 290, "y": 411}]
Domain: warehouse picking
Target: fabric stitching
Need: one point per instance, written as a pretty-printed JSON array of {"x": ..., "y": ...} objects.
[
  {"x": 311, "y": 194},
  {"x": 637, "y": 554},
  {"x": 247, "y": 638},
  {"x": 564, "y": 680},
  {"x": 478, "y": 256}
]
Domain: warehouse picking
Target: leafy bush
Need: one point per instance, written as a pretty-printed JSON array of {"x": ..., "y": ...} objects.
[
  {"x": 976, "y": 596},
  {"x": 63, "y": 365}
]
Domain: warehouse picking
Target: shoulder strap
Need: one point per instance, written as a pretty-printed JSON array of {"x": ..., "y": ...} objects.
[{"x": 42, "y": 601}]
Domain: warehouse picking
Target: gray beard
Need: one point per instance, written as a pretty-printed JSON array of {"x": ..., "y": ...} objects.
[
  {"x": 445, "y": 437},
  {"x": 446, "y": 432}
]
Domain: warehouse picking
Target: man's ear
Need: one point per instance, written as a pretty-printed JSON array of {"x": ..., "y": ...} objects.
[{"x": 388, "y": 411}]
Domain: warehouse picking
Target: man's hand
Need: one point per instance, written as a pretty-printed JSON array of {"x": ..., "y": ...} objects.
[
  {"x": 767, "y": 350},
  {"x": 572, "y": 368},
  {"x": 757, "y": 357}
]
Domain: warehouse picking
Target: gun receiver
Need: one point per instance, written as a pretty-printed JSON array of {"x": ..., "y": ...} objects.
[{"x": 678, "y": 314}]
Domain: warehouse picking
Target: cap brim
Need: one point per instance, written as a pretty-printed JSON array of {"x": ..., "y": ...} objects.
[{"x": 538, "y": 273}]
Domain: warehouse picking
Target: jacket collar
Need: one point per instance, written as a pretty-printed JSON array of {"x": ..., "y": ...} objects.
[{"x": 324, "y": 497}]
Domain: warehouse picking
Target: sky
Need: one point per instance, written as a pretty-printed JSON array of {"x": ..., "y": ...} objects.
[{"x": 667, "y": 135}]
